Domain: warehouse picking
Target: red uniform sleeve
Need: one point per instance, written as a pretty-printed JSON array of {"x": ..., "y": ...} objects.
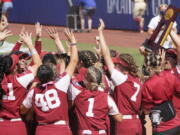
[
  {"x": 16, "y": 47},
  {"x": 147, "y": 99},
  {"x": 38, "y": 46},
  {"x": 177, "y": 87}
]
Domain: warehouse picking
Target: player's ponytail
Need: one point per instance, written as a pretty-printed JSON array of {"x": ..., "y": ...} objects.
[
  {"x": 45, "y": 74},
  {"x": 93, "y": 78},
  {"x": 153, "y": 63},
  {"x": 5, "y": 65}
]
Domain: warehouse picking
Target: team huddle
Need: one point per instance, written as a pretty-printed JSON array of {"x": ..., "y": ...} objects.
[{"x": 86, "y": 93}]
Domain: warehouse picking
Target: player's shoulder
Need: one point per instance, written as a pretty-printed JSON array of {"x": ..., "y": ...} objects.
[{"x": 24, "y": 73}]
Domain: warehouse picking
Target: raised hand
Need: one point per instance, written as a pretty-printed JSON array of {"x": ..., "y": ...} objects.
[
  {"x": 5, "y": 34},
  {"x": 4, "y": 23},
  {"x": 162, "y": 54},
  {"x": 70, "y": 36},
  {"x": 101, "y": 25},
  {"x": 26, "y": 38},
  {"x": 22, "y": 31},
  {"x": 38, "y": 30},
  {"x": 97, "y": 48},
  {"x": 53, "y": 33}
]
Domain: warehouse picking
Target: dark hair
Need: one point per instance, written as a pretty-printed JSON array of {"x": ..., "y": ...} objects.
[
  {"x": 87, "y": 58},
  {"x": 153, "y": 60},
  {"x": 153, "y": 64},
  {"x": 132, "y": 67},
  {"x": 49, "y": 58},
  {"x": 45, "y": 74},
  {"x": 5, "y": 64},
  {"x": 113, "y": 53},
  {"x": 63, "y": 56}
]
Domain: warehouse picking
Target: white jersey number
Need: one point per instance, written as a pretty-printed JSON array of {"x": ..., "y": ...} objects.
[
  {"x": 137, "y": 86},
  {"x": 47, "y": 101},
  {"x": 90, "y": 108},
  {"x": 10, "y": 94}
]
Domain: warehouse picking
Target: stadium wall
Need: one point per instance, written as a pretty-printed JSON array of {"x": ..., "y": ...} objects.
[{"x": 116, "y": 13}]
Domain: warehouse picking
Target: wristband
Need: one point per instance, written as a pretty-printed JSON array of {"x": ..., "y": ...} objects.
[
  {"x": 33, "y": 51},
  {"x": 72, "y": 44}
]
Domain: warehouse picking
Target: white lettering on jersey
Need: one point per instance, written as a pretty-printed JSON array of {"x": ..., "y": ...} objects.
[
  {"x": 137, "y": 86},
  {"x": 48, "y": 100},
  {"x": 90, "y": 108},
  {"x": 10, "y": 94}
]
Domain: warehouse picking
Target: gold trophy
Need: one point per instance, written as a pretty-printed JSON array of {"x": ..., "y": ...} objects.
[{"x": 154, "y": 43}]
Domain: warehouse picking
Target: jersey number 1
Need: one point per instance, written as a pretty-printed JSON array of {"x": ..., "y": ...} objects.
[
  {"x": 10, "y": 94},
  {"x": 90, "y": 108}
]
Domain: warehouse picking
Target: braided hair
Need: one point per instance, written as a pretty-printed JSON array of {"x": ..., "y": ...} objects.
[
  {"x": 5, "y": 65},
  {"x": 153, "y": 63},
  {"x": 87, "y": 58},
  {"x": 132, "y": 67}
]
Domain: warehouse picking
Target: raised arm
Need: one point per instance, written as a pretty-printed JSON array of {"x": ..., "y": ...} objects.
[
  {"x": 4, "y": 23},
  {"x": 104, "y": 48},
  {"x": 18, "y": 44},
  {"x": 53, "y": 34},
  {"x": 26, "y": 37},
  {"x": 176, "y": 40},
  {"x": 98, "y": 48},
  {"x": 74, "y": 53},
  {"x": 38, "y": 43}
]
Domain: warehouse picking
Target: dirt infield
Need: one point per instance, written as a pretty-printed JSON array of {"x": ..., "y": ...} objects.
[{"x": 114, "y": 37}]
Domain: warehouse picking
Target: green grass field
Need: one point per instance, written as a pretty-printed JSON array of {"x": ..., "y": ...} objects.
[{"x": 48, "y": 45}]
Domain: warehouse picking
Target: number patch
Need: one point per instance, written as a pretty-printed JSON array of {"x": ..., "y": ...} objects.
[
  {"x": 47, "y": 101},
  {"x": 10, "y": 94},
  {"x": 90, "y": 108},
  {"x": 134, "y": 97}
]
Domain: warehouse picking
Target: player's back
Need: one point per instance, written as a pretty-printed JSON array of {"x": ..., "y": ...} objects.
[
  {"x": 91, "y": 108},
  {"x": 162, "y": 87},
  {"x": 16, "y": 88},
  {"x": 128, "y": 96},
  {"x": 50, "y": 104}
]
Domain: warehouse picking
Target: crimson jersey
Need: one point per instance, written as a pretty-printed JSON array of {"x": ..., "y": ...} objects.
[
  {"x": 14, "y": 94},
  {"x": 127, "y": 92},
  {"x": 92, "y": 108},
  {"x": 158, "y": 89},
  {"x": 176, "y": 100},
  {"x": 106, "y": 82},
  {"x": 50, "y": 104}
]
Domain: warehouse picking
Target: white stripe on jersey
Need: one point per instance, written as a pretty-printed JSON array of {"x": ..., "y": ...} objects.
[
  {"x": 28, "y": 100},
  {"x": 63, "y": 83},
  {"x": 118, "y": 77},
  {"x": 113, "y": 110},
  {"x": 24, "y": 80}
]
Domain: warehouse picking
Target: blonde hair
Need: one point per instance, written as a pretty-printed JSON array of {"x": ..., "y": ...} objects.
[{"x": 94, "y": 78}]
